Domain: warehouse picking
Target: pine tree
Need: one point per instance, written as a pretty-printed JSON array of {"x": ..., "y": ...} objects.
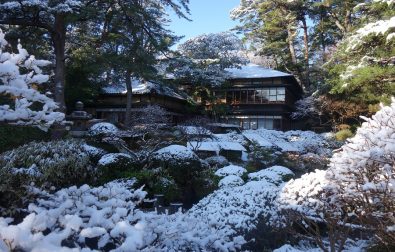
[
  {"x": 203, "y": 59},
  {"x": 134, "y": 38},
  {"x": 53, "y": 17},
  {"x": 362, "y": 69},
  {"x": 274, "y": 28}
]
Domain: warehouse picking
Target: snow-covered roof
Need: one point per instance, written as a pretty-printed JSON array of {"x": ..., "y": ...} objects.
[
  {"x": 143, "y": 87},
  {"x": 254, "y": 71}
]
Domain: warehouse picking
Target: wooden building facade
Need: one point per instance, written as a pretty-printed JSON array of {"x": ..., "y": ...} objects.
[
  {"x": 111, "y": 103},
  {"x": 258, "y": 97}
]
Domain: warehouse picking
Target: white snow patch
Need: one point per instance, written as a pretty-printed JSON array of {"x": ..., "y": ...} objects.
[{"x": 254, "y": 71}]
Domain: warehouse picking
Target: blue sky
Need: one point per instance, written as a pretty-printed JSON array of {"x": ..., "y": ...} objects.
[{"x": 208, "y": 16}]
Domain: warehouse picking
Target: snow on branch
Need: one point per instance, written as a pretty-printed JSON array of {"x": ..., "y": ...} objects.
[
  {"x": 20, "y": 78},
  {"x": 357, "y": 190}
]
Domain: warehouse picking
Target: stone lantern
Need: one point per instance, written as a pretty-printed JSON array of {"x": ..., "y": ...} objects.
[{"x": 80, "y": 119}]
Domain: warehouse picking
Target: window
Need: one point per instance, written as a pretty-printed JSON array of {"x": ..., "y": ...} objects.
[
  {"x": 254, "y": 123},
  {"x": 258, "y": 96},
  {"x": 280, "y": 94},
  {"x": 272, "y": 94},
  {"x": 257, "y": 121},
  {"x": 243, "y": 97},
  {"x": 251, "y": 96},
  {"x": 246, "y": 123}
]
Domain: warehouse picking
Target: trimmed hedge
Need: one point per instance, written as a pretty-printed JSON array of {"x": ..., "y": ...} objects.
[{"x": 12, "y": 136}]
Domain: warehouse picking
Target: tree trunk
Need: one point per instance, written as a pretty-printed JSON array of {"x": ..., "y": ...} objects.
[
  {"x": 306, "y": 51},
  {"x": 347, "y": 20},
  {"x": 59, "y": 40},
  {"x": 322, "y": 37},
  {"x": 291, "y": 46},
  {"x": 129, "y": 94}
]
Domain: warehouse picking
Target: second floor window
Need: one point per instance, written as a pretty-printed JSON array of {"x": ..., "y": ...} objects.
[{"x": 255, "y": 96}]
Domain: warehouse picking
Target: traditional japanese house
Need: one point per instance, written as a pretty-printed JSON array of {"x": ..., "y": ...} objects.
[
  {"x": 111, "y": 103},
  {"x": 258, "y": 97}
]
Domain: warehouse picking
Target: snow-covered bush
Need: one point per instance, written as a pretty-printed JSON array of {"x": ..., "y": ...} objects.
[
  {"x": 191, "y": 174},
  {"x": 174, "y": 154},
  {"x": 180, "y": 161},
  {"x": 102, "y": 129},
  {"x": 231, "y": 170},
  {"x": 48, "y": 164},
  {"x": 364, "y": 174},
  {"x": 75, "y": 215},
  {"x": 274, "y": 174},
  {"x": 307, "y": 246},
  {"x": 20, "y": 77},
  {"x": 356, "y": 191},
  {"x": 300, "y": 164},
  {"x": 230, "y": 180},
  {"x": 260, "y": 157},
  {"x": 115, "y": 165},
  {"x": 107, "y": 218},
  {"x": 12, "y": 136},
  {"x": 217, "y": 161},
  {"x": 237, "y": 211},
  {"x": 291, "y": 141}
]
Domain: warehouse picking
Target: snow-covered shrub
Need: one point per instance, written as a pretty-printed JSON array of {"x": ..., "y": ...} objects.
[
  {"x": 107, "y": 218},
  {"x": 237, "y": 211},
  {"x": 191, "y": 174},
  {"x": 115, "y": 165},
  {"x": 363, "y": 173},
  {"x": 102, "y": 129},
  {"x": 217, "y": 161},
  {"x": 174, "y": 154},
  {"x": 21, "y": 102},
  {"x": 156, "y": 181},
  {"x": 357, "y": 189},
  {"x": 12, "y": 136},
  {"x": 230, "y": 180},
  {"x": 300, "y": 164},
  {"x": 231, "y": 170},
  {"x": 311, "y": 205},
  {"x": 260, "y": 157},
  {"x": 180, "y": 161},
  {"x": 307, "y": 246},
  {"x": 48, "y": 164},
  {"x": 75, "y": 215},
  {"x": 291, "y": 141},
  {"x": 274, "y": 174}
]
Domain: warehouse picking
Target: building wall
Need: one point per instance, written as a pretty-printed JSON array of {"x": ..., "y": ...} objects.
[{"x": 112, "y": 107}]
